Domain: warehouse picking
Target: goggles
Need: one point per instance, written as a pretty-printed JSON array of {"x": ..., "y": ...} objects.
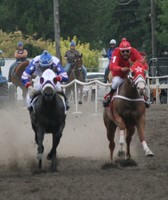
[{"x": 125, "y": 51}]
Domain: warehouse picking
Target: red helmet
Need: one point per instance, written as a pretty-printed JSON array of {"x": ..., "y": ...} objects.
[{"x": 124, "y": 45}]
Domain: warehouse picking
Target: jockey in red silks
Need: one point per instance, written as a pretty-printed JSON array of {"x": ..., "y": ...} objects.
[{"x": 123, "y": 57}]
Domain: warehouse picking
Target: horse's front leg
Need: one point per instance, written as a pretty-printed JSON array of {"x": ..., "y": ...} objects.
[
  {"x": 80, "y": 94},
  {"x": 121, "y": 125},
  {"x": 55, "y": 141},
  {"x": 129, "y": 133},
  {"x": 52, "y": 154},
  {"x": 39, "y": 140},
  {"x": 141, "y": 130}
]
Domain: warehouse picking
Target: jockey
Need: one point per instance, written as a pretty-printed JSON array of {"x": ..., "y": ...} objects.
[
  {"x": 110, "y": 50},
  {"x": 36, "y": 67},
  {"x": 70, "y": 56},
  {"x": 123, "y": 57},
  {"x": 20, "y": 55}
]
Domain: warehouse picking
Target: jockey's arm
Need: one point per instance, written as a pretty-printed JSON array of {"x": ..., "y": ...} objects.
[
  {"x": 27, "y": 74},
  {"x": 24, "y": 55},
  {"x": 114, "y": 65},
  {"x": 57, "y": 67}
]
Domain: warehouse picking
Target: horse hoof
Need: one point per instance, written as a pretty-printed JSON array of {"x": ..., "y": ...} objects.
[
  {"x": 149, "y": 154},
  {"x": 121, "y": 154},
  {"x": 39, "y": 156},
  {"x": 49, "y": 156}
]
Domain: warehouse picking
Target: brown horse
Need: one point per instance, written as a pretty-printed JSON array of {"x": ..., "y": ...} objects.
[
  {"x": 16, "y": 77},
  {"x": 127, "y": 112},
  {"x": 76, "y": 73}
]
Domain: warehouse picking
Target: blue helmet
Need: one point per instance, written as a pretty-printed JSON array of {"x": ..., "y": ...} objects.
[
  {"x": 72, "y": 44},
  {"x": 45, "y": 59},
  {"x": 20, "y": 44}
]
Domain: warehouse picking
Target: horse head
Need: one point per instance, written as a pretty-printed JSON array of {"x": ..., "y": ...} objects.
[
  {"x": 137, "y": 75},
  {"x": 48, "y": 84},
  {"x": 78, "y": 61}
]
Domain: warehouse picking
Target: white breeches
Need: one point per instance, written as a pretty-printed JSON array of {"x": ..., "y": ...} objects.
[{"x": 116, "y": 81}]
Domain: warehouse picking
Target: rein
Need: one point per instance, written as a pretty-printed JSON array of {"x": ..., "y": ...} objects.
[{"x": 117, "y": 96}]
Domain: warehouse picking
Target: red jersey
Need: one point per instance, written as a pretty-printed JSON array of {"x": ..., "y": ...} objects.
[{"x": 117, "y": 62}]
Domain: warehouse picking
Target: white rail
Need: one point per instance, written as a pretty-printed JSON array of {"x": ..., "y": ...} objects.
[{"x": 150, "y": 86}]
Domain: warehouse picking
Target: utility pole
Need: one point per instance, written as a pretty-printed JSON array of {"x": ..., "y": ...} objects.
[
  {"x": 153, "y": 28},
  {"x": 57, "y": 28}
]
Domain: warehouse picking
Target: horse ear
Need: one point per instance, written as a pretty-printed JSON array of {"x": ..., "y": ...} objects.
[
  {"x": 55, "y": 80},
  {"x": 131, "y": 74},
  {"x": 41, "y": 80}
]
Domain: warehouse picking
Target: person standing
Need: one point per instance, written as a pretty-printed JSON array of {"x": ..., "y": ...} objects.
[{"x": 110, "y": 50}]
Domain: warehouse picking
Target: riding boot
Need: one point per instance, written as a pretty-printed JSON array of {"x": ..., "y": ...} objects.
[
  {"x": 66, "y": 100},
  {"x": 108, "y": 97}
]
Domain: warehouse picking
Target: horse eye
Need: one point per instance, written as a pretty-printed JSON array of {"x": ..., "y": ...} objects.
[
  {"x": 55, "y": 80},
  {"x": 132, "y": 73},
  {"x": 41, "y": 80}
]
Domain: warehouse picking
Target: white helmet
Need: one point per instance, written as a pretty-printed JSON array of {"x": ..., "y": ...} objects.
[{"x": 113, "y": 41}]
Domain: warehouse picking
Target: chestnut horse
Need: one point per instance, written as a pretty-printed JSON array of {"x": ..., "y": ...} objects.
[
  {"x": 127, "y": 112},
  {"x": 16, "y": 77},
  {"x": 76, "y": 73}
]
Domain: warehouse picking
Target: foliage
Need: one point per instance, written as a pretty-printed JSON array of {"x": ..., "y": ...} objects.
[
  {"x": 8, "y": 43},
  {"x": 95, "y": 22}
]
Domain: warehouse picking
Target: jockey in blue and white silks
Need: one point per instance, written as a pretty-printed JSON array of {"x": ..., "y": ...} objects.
[{"x": 37, "y": 66}]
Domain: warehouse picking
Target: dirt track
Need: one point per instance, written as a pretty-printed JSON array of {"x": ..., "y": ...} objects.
[{"x": 81, "y": 154}]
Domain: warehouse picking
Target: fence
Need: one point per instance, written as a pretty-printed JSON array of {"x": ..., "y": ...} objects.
[{"x": 150, "y": 86}]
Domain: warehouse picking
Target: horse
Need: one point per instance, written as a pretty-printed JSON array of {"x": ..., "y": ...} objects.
[
  {"x": 16, "y": 77},
  {"x": 127, "y": 112},
  {"x": 76, "y": 73},
  {"x": 48, "y": 115}
]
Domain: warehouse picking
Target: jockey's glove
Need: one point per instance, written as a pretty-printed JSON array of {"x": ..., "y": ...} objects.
[
  {"x": 31, "y": 91},
  {"x": 58, "y": 78}
]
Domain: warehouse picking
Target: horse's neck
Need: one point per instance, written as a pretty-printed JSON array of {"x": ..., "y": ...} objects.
[
  {"x": 76, "y": 73},
  {"x": 127, "y": 89}
]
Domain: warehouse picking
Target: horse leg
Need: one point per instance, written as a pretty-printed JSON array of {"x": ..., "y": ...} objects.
[
  {"x": 122, "y": 127},
  {"x": 52, "y": 154},
  {"x": 140, "y": 129},
  {"x": 129, "y": 133},
  {"x": 80, "y": 94},
  {"x": 39, "y": 136},
  {"x": 111, "y": 128},
  {"x": 121, "y": 151}
]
